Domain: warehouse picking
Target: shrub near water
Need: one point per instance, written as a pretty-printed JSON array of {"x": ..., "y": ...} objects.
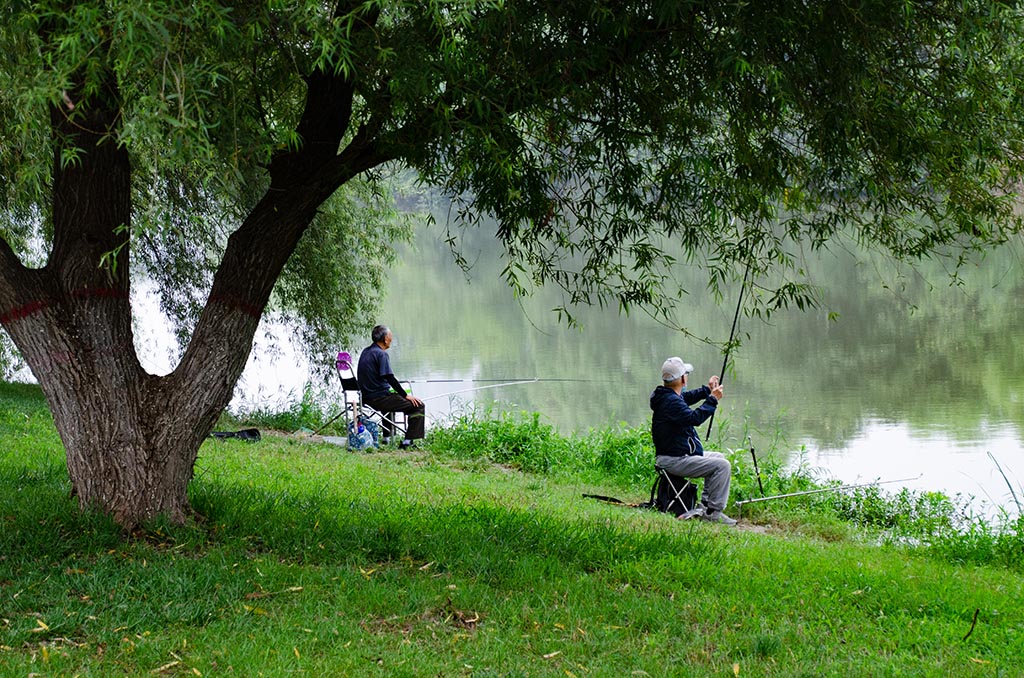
[
  {"x": 516, "y": 440},
  {"x": 307, "y": 413},
  {"x": 523, "y": 441}
]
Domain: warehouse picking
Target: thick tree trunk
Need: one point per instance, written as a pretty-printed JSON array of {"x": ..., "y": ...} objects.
[{"x": 132, "y": 438}]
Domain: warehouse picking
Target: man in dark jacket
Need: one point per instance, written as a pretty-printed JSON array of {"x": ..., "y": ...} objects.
[
  {"x": 381, "y": 389},
  {"x": 677, "y": 446}
]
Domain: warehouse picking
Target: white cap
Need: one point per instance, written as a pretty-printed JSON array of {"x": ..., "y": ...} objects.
[{"x": 674, "y": 368}]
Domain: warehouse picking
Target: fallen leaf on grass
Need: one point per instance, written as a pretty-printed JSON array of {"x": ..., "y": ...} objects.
[
  {"x": 255, "y": 595},
  {"x": 552, "y": 655},
  {"x": 979, "y": 661},
  {"x": 163, "y": 668},
  {"x": 41, "y": 626}
]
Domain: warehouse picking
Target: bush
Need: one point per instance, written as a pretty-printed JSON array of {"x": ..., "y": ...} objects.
[
  {"x": 304, "y": 413},
  {"x": 521, "y": 441}
]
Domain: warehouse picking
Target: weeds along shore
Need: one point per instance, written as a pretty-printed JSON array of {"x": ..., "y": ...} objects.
[
  {"x": 477, "y": 555},
  {"x": 621, "y": 458}
]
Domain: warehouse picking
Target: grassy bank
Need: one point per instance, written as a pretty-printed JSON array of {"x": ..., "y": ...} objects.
[{"x": 476, "y": 556}]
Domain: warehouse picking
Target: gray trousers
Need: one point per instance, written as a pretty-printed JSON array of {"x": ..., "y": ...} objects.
[{"x": 713, "y": 467}]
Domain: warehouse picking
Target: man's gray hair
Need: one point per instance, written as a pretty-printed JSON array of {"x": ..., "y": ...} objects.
[{"x": 378, "y": 333}]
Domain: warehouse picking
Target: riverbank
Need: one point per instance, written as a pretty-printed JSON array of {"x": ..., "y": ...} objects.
[{"x": 474, "y": 556}]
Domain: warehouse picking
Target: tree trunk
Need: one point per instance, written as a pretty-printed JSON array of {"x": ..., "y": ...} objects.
[{"x": 131, "y": 438}]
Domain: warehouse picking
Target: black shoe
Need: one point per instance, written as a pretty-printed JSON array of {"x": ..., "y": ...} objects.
[{"x": 407, "y": 445}]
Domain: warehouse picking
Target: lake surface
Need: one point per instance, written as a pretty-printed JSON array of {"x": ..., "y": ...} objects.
[{"x": 915, "y": 378}]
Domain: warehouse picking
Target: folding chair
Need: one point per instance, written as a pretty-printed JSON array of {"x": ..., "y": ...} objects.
[
  {"x": 354, "y": 405},
  {"x": 673, "y": 494}
]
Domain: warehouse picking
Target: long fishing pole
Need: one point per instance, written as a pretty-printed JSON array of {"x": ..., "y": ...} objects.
[
  {"x": 728, "y": 347},
  {"x": 475, "y": 381},
  {"x": 824, "y": 489},
  {"x": 481, "y": 388},
  {"x": 451, "y": 393}
]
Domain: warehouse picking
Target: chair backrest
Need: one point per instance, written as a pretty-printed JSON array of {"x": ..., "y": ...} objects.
[{"x": 346, "y": 372}]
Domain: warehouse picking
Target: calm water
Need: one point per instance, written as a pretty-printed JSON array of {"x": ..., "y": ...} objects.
[{"x": 917, "y": 377}]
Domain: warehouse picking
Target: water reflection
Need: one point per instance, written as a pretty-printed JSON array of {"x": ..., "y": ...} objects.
[{"x": 916, "y": 376}]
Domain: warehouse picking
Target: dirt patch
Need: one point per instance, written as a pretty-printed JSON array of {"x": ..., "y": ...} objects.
[{"x": 753, "y": 527}]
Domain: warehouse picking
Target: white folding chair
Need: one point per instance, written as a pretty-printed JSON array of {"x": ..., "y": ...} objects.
[{"x": 354, "y": 405}]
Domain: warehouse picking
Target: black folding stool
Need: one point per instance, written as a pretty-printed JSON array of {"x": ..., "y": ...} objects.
[{"x": 673, "y": 494}]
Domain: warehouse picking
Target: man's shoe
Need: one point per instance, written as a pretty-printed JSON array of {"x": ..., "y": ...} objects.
[
  {"x": 717, "y": 517},
  {"x": 696, "y": 512},
  {"x": 385, "y": 440},
  {"x": 407, "y": 445}
]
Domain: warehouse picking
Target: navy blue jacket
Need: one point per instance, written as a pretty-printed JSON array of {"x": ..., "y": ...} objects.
[
  {"x": 374, "y": 374},
  {"x": 674, "y": 422}
]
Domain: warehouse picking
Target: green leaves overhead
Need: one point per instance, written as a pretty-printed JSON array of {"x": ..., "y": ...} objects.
[
  {"x": 610, "y": 140},
  {"x": 732, "y": 132}
]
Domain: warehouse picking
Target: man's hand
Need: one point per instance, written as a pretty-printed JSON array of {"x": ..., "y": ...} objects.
[
  {"x": 715, "y": 384},
  {"x": 414, "y": 400}
]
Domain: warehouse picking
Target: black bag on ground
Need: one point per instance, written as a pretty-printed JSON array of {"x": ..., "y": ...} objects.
[{"x": 673, "y": 494}]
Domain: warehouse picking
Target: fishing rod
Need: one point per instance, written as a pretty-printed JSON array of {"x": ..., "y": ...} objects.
[
  {"x": 728, "y": 347},
  {"x": 474, "y": 381},
  {"x": 451, "y": 393},
  {"x": 742, "y": 503},
  {"x": 756, "y": 469},
  {"x": 481, "y": 388}
]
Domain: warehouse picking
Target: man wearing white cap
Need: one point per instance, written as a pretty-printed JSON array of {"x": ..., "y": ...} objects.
[{"x": 677, "y": 447}]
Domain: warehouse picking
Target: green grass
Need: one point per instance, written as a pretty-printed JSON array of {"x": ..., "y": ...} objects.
[{"x": 453, "y": 561}]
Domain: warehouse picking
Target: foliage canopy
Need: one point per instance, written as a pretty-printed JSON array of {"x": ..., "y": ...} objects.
[{"x": 607, "y": 138}]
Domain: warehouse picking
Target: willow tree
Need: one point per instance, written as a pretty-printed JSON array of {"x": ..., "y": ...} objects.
[{"x": 233, "y": 150}]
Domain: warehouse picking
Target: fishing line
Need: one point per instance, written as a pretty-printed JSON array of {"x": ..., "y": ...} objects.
[
  {"x": 469, "y": 381},
  {"x": 824, "y": 489},
  {"x": 481, "y": 388},
  {"x": 515, "y": 382}
]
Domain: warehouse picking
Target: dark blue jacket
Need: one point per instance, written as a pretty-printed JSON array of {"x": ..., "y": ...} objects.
[{"x": 674, "y": 422}]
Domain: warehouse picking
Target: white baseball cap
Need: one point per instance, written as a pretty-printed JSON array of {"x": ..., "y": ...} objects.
[{"x": 674, "y": 368}]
